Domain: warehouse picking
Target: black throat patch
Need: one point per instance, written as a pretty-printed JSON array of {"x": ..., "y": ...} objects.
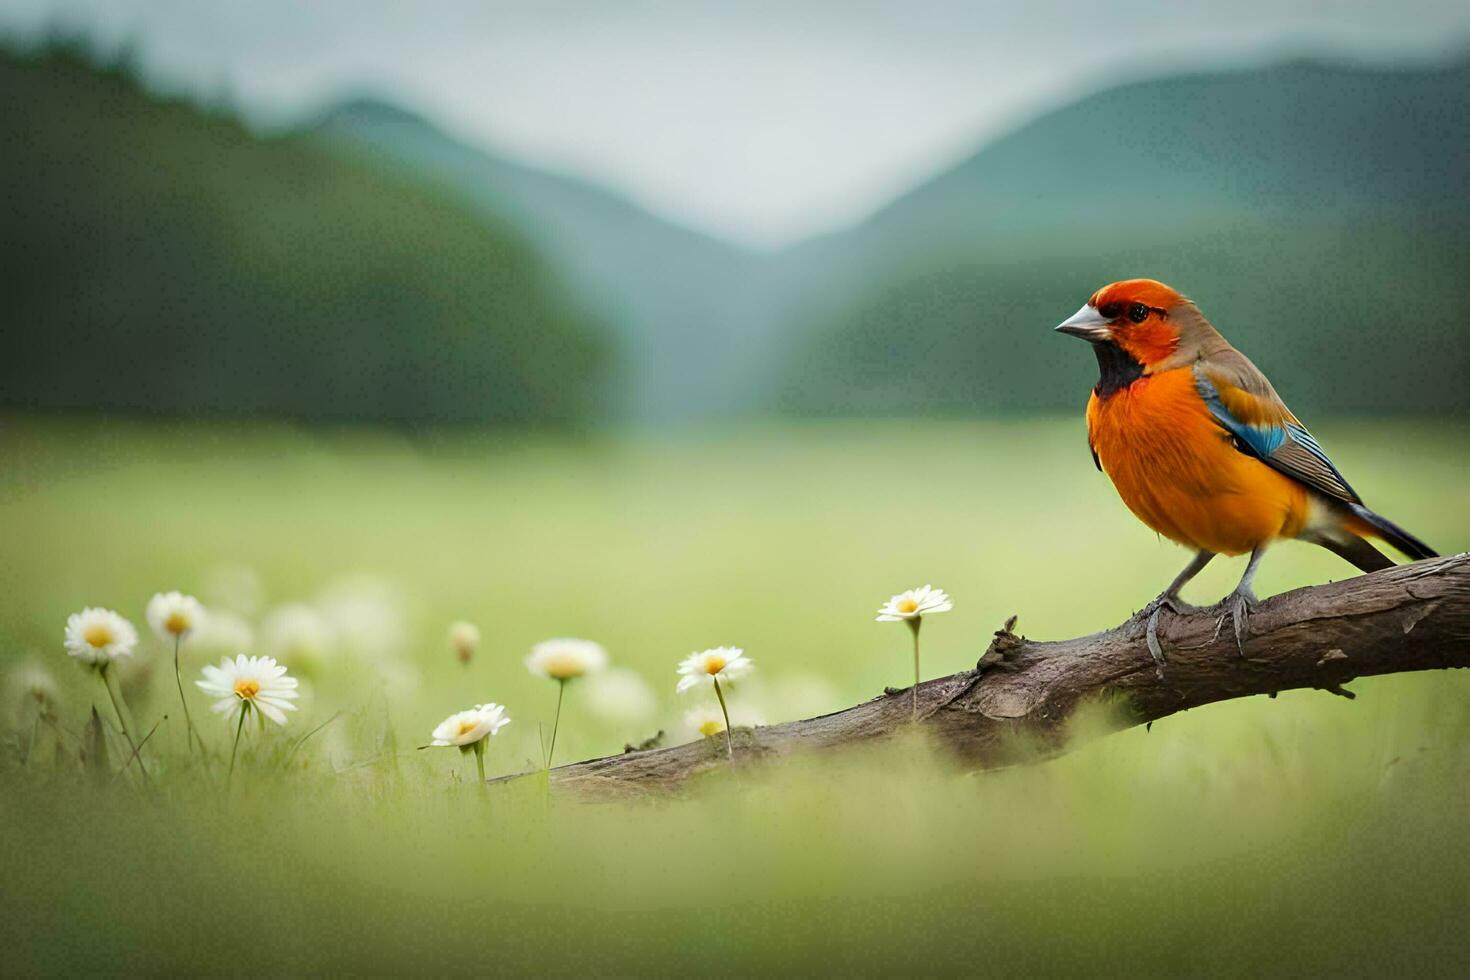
[{"x": 1116, "y": 369}]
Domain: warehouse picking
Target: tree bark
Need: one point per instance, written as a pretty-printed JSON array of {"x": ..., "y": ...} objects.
[{"x": 1023, "y": 692}]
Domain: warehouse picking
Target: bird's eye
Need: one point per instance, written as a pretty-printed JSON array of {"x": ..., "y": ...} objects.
[
  {"x": 1138, "y": 312},
  {"x": 1111, "y": 311}
]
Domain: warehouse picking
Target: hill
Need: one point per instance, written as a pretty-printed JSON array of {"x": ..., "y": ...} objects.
[
  {"x": 1320, "y": 214},
  {"x": 159, "y": 258},
  {"x": 687, "y": 307}
]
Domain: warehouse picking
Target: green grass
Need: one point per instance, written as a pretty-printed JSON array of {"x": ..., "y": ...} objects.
[{"x": 1300, "y": 834}]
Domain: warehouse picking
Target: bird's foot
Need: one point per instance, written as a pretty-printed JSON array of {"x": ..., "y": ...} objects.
[
  {"x": 1150, "y": 615},
  {"x": 1237, "y": 607}
]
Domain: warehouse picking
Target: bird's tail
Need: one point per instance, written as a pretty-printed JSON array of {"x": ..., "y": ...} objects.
[
  {"x": 1347, "y": 545},
  {"x": 1364, "y": 521}
]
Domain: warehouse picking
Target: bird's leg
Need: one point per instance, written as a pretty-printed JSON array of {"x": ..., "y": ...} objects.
[
  {"x": 1169, "y": 599},
  {"x": 1238, "y": 604}
]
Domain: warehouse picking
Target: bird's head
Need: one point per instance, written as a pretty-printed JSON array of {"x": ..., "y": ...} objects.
[{"x": 1155, "y": 326}]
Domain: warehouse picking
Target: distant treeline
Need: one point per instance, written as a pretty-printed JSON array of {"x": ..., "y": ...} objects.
[
  {"x": 1352, "y": 317},
  {"x": 1319, "y": 214},
  {"x": 162, "y": 259}
]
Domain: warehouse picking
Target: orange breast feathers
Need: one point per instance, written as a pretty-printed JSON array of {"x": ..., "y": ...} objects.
[{"x": 1177, "y": 470}]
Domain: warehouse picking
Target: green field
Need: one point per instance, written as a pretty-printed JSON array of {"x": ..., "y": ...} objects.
[{"x": 1301, "y": 834}]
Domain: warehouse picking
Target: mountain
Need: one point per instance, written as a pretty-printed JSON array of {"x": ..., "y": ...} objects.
[
  {"x": 158, "y": 258},
  {"x": 688, "y": 307},
  {"x": 1319, "y": 213}
]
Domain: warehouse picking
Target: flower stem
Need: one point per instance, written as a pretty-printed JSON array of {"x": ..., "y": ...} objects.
[
  {"x": 244, "y": 710},
  {"x": 729, "y": 746},
  {"x": 480, "y": 760},
  {"x": 109, "y": 682},
  {"x": 190, "y": 734},
  {"x": 120, "y": 706},
  {"x": 914, "y": 625},
  {"x": 561, "y": 690},
  {"x": 114, "y": 691}
]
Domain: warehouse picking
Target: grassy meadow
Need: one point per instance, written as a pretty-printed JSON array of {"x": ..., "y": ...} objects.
[{"x": 1304, "y": 833}]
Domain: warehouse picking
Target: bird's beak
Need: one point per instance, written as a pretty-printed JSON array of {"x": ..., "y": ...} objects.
[{"x": 1086, "y": 323}]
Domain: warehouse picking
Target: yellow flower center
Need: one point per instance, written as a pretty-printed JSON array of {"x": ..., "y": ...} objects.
[
  {"x": 908, "y": 605},
  {"x": 467, "y": 725},
  {"x": 247, "y": 688},
  {"x": 98, "y": 635},
  {"x": 176, "y": 623},
  {"x": 711, "y": 727},
  {"x": 563, "y": 667},
  {"x": 714, "y": 664}
]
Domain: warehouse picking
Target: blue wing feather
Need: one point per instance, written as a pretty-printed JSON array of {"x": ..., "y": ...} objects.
[
  {"x": 1263, "y": 440},
  {"x": 1286, "y": 447}
]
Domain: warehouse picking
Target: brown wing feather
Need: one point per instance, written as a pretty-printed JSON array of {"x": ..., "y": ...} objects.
[{"x": 1248, "y": 400}]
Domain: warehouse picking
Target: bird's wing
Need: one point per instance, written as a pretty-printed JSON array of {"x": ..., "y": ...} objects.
[{"x": 1243, "y": 402}]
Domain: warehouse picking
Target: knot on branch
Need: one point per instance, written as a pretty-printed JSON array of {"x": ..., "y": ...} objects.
[
  {"x": 652, "y": 742},
  {"x": 1002, "y": 650},
  {"x": 1335, "y": 662}
]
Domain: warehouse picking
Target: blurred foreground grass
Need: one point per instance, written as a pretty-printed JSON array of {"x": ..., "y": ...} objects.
[{"x": 1301, "y": 834}]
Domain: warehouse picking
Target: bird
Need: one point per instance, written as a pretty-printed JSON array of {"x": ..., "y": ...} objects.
[{"x": 1203, "y": 450}]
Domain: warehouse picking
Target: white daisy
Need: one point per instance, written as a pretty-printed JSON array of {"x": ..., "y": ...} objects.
[
  {"x": 174, "y": 615},
  {"x": 464, "y": 639},
  {"x": 564, "y": 659},
  {"x": 468, "y": 727},
  {"x": 98, "y": 636},
  {"x": 250, "y": 683},
  {"x": 913, "y": 604},
  {"x": 34, "y": 692},
  {"x": 720, "y": 663},
  {"x": 911, "y": 607},
  {"x": 706, "y": 719},
  {"x": 620, "y": 696}
]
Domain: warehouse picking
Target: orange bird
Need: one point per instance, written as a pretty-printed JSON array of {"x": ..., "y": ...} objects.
[{"x": 1203, "y": 450}]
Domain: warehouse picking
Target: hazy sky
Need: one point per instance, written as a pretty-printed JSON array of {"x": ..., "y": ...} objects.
[{"x": 759, "y": 121}]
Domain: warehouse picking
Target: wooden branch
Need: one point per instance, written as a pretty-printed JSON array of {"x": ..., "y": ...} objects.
[{"x": 1411, "y": 617}]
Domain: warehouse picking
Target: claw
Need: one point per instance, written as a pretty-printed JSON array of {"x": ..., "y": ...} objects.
[
  {"x": 1151, "y": 637},
  {"x": 1237, "y": 608},
  {"x": 1240, "y": 613},
  {"x": 1150, "y": 613}
]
